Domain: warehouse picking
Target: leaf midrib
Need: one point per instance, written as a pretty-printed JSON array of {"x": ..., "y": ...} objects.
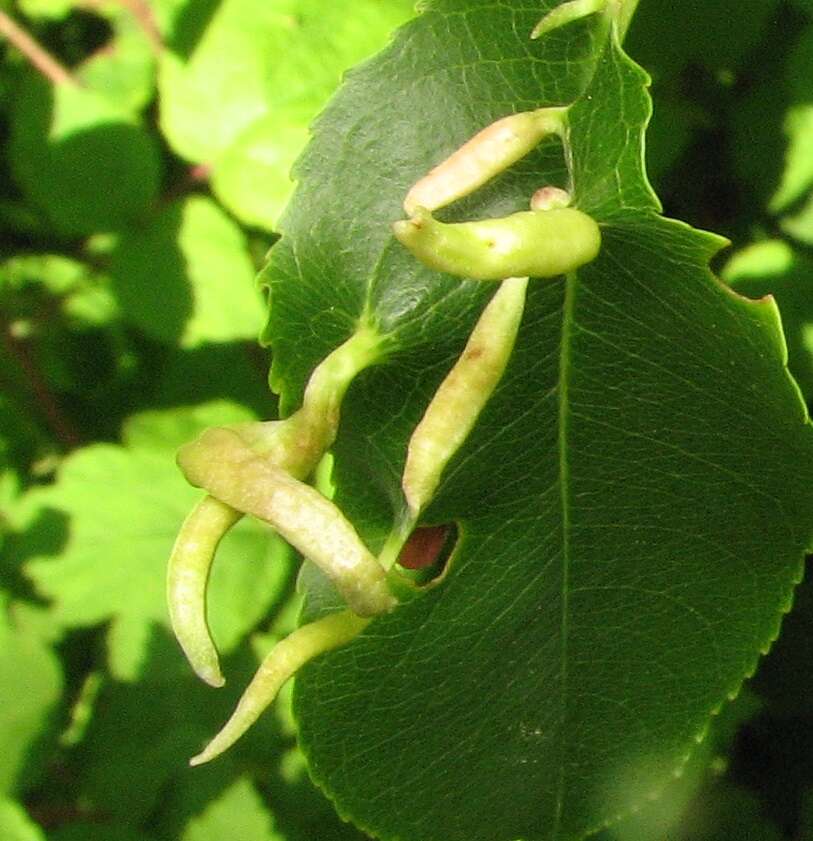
[{"x": 564, "y": 487}]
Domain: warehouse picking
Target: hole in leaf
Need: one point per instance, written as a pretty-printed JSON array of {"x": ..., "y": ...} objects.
[{"x": 426, "y": 552}]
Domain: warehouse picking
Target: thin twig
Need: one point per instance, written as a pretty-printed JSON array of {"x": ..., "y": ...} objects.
[
  {"x": 19, "y": 350},
  {"x": 143, "y": 14},
  {"x": 35, "y": 52}
]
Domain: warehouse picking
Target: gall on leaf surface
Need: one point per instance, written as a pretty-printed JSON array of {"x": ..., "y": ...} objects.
[{"x": 633, "y": 504}]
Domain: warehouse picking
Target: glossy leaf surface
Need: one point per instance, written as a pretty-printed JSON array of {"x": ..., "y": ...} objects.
[{"x": 634, "y": 502}]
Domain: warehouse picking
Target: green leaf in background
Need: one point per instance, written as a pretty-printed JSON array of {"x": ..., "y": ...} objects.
[
  {"x": 159, "y": 429},
  {"x": 237, "y": 813},
  {"x": 698, "y": 782},
  {"x": 724, "y": 813},
  {"x": 82, "y": 159},
  {"x": 122, "y": 508},
  {"x": 794, "y": 195},
  {"x": 778, "y": 95},
  {"x": 694, "y": 72},
  {"x": 239, "y": 87},
  {"x": 30, "y": 687},
  {"x": 131, "y": 760},
  {"x": 773, "y": 267},
  {"x": 50, "y": 9},
  {"x": 252, "y": 176},
  {"x": 634, "y": 503},
  {"x": 707, "y": 36},
  {"x": 798, "y": 175},
  {"x": 123, "y": 70},
  {"x": 187, "y": 276},
  {"x": 81, "y": 831},
  {"x": 84, "y": 295},
  {"x": 15, "y": 825}
]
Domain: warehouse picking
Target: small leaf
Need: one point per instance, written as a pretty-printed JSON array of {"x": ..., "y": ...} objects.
[{"x": 797, "y": 177}]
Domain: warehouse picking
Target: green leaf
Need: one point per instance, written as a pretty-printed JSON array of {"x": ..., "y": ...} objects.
[
  {"x": 132, "y": 759},
  {"x": 240, "y": 87},
  {"x": 187, "y": 276},
  {"x": 706, "y": 34},
  {"x": 96, "y": 832},
  {"x": 123, "y": 508},
  {"x": 688, "y": 796},
  {"x": 633, "y": 504},
  {"x": 15, "y": 825},
  {"x": 237, "y": 813},
  {"x": 773, "y": 267},
  {"x": 726, "y": 812},
  {"x": 51, "y": 9},
  {"x": 81, "y": 158},
  {"x": 83, "y": 294},
  {"x": 214, "y": 372},
  {"x": 157, "y": 429},
  {"x": 252, "y": 176},
  {"x": 797, "y": 177},
  {"x": 123, "y": 70},
  {"x": 799, "y": 225},
  {"x": 30, "y": 686}
]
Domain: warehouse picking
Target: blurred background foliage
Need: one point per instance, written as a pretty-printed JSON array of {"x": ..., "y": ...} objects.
[{"x": 144, "y": 155}]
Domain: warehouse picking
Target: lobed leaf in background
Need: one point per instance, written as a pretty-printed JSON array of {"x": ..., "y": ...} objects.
[
  {"x": 242, "y": 79},
  {"x": 623, "y": 555},
  {"x": 115, "y": 543}
]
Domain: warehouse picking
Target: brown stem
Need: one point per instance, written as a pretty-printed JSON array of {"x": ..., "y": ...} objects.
[
  {"x": 142, "y": 12},
  {"x": 34, "y": 52},
  {"x": 19, "y": 350}
]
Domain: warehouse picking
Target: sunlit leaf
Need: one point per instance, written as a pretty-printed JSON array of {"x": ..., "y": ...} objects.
[
  {"x": 241, "y": 84},
  {"x": 82, "y": 159},
  {"x": 187, "y": 276},
  {"x": 30, "y": 686},
  {"x": 122, "y": 508},
  {"x": 15, "y": 825},
  {"x": 238, "y": 812}
]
